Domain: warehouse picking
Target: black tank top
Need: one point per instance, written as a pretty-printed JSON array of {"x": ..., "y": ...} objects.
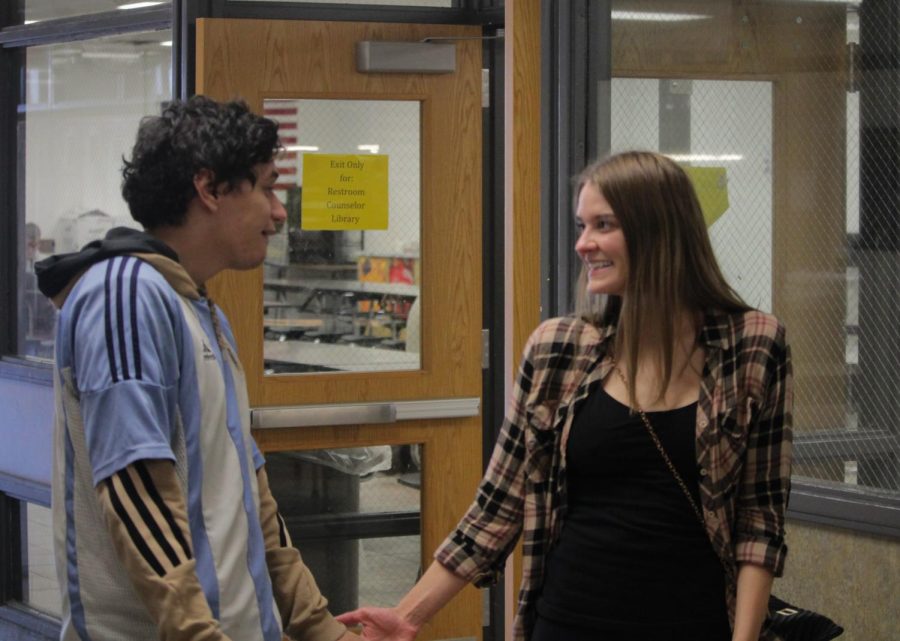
[{"x": 632, "y": 552}]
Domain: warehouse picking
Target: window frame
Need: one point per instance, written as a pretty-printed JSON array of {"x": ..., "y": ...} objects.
[
  {"x": 14, "y": 41},
  {"x": 16, "y": 617},
  {"x": 574, "y": 121}
]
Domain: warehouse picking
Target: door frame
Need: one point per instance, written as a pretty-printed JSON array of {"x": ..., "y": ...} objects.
[{"x": 451, "y": 235}]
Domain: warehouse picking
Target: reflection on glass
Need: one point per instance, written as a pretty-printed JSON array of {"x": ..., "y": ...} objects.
[
  {"x": 81, "y": 100},
  {"x": 345, "y": 299},
  {"x": 354, "y": 514},
  {"x": 401, "y": 3},
  {"x": 31, "y": 11}
]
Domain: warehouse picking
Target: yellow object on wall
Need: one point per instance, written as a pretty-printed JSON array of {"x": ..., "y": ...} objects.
[
  {"x": 711, "y": 185},
  {"x": 344, "y": 191}
]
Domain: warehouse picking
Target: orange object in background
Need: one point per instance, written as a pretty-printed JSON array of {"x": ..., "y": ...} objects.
[{"x": 373, "y": 270}]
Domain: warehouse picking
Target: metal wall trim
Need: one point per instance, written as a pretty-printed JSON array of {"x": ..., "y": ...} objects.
[
  {"x": 263, "y": 418},
  {"x": 851, "y": 508}
]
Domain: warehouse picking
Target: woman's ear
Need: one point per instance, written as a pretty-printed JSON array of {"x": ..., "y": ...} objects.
[{"x": 205, "y": 184}]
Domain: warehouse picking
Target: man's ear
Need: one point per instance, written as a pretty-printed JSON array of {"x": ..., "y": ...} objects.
[{"x": 205, "y": 184}]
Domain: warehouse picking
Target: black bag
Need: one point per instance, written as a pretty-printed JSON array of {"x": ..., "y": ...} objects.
[{"x": 796, "y": 624}]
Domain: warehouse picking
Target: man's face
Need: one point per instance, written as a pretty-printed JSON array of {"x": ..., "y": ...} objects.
[{"x": 249, "y": 214}]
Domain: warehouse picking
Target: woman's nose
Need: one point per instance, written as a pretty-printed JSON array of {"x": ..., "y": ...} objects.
[{"x": 583, "y": 243}]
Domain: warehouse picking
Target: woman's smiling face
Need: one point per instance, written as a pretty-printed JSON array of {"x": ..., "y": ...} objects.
[{"x": 601, "y": 243}]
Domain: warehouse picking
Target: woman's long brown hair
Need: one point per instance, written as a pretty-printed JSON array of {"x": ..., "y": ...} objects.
[{"x": 672, "y": 269}]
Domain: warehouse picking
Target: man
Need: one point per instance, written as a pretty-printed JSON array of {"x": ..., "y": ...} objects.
[{"x": 164, "y": 524}]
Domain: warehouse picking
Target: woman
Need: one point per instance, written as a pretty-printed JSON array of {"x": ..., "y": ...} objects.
[{"x": 615, "y": 546}]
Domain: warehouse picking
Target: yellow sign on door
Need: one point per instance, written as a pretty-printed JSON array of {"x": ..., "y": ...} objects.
[{"x": 344, "y": 191}]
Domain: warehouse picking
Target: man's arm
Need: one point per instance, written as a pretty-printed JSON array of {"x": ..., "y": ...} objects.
[
  {"x": 144, "y": 508},
  {"x": 304, "y": 611}
]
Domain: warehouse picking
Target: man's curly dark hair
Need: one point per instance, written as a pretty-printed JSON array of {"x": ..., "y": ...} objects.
[{"x": 198, "y": 134}]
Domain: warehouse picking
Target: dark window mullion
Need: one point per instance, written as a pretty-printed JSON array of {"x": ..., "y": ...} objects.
[
  {"x": 11, "y": 550},
  {"x": 10, "y": 77}
]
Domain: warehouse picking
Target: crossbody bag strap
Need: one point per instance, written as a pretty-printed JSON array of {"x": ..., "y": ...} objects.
[{"x": 664, "y": 455}]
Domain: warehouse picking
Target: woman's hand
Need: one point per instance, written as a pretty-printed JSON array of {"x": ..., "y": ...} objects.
[
  {"x": 380, "y": 624},
  {"x": 436, "y": 587}
]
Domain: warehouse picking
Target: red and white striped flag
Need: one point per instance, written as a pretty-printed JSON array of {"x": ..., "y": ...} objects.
[{"x": 284, "y": 112}]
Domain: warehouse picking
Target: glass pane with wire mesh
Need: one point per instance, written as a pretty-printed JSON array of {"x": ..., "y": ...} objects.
[
  {"x": 355, "y": 516},
  {"x": 41, "y": 586},
  {"x": 801, "y": 163},
  {"x": 341, "y": 285},
  {"x": 81, "y": 100},
  {"x": 736, "y": 143}
]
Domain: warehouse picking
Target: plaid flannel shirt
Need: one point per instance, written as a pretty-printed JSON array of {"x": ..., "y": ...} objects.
[{"x": 743, "y": 446}]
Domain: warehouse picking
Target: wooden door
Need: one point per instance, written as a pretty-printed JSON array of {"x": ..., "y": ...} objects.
[{"x": 258, "y": 60}]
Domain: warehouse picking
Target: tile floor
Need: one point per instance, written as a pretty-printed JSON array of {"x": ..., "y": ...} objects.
[{"x": 388, "y": 567}]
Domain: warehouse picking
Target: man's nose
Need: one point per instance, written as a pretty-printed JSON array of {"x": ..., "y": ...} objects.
[{"x": 279, "y": 213}]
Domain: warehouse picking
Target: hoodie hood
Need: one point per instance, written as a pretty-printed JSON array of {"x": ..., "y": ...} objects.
[{"x": 58, "y": 274}]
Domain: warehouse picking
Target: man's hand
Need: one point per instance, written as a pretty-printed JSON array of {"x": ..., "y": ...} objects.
[{"x": 380, "y": 624}]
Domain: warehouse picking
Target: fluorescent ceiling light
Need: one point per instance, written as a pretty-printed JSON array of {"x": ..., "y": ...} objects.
[
  {"x": 372, "y": 149},
  {"x": 137, "y": 5},
  {"x": 301, "y": 148},
  {"x": 111, "y": 55},
  {"x": 30, "y": 21},
  {"x": 656, "y": 16},
  {"x": 705, "y": 157},
  {"x": 165, "y": 43}
]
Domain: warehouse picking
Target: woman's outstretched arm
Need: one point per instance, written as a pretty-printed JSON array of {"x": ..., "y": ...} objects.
[{"x": 402, "y": 623}]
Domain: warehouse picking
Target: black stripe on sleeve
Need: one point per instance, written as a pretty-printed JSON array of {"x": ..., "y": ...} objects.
[
  {"x": 135, "y": 341},
  {"x": 120, "y": 316},
  {"x": 132, "y": 530},
  {"x": 154, "y": 495},
  {"x": 107, "y": 321},
  {"x": 149, "y": 521}
]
